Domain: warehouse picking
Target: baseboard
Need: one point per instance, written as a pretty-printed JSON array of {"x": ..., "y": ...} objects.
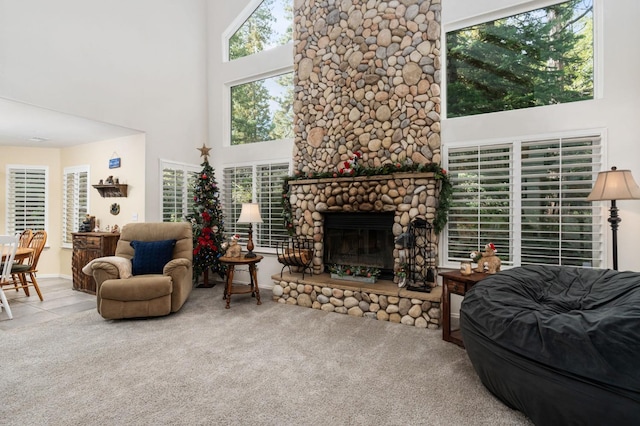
[{"x": 62, "y": 276}]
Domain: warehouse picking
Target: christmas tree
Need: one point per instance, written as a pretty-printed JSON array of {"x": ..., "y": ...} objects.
[{"x": 208, "y": 224}]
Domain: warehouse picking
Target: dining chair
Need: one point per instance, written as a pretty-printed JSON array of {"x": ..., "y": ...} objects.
[
  {"x": 25, "y": 238},
  {"x": 8, "y": 247},
  {"x": 21, "y": 270}
]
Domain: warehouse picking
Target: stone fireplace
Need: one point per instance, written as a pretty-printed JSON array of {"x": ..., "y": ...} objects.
[
  {"x": 401, "y": 196},
  {"x": 367, "y": 90}
]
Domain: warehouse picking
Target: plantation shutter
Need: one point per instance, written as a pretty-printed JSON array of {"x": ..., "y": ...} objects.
[
  {"x": 238, "y": 189},
  {"x": 173, "y": 182},
  {"x": 269, "y": 196},
  {"x": 559, "y": 225},
  {"x": 178, "y": 182},
  {"x": 26, "y": 198},
  {"x": 529, "y": 199},
  {"x": 76, "y": 200},
  {"x": 481, "y": 203}
]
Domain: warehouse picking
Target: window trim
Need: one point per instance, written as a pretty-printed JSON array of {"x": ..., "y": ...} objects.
[
  {"x": 517, "y": 142},
  {"x": 500, "y": 13},
  {"x": 73, "y": 170}
]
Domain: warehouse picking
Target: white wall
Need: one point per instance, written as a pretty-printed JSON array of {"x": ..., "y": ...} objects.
[
  {"x": 135, "y": 63},
  {"x": 616, "y": 111}
]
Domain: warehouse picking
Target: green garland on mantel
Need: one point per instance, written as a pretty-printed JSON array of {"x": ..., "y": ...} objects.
[{"x": 444, "y": 202}]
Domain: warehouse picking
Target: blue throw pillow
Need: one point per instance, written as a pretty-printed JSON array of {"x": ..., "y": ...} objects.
[{"x": 149, "y": 257}]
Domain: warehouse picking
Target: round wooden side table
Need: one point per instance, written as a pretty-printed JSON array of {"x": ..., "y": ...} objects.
[{"x": 231, "y": 263}]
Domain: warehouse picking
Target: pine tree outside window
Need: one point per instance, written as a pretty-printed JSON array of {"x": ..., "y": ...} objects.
[
  {"x": 261, "y": 103},
  {"x": 27, "y": 201},
  {"x": 262, "y": 110},
  {"x": 528, "y": 197},
  {"x": 541, "y": 57},
  {"x": 269, "y": 25},
  {"x": 75, "y": 204}
]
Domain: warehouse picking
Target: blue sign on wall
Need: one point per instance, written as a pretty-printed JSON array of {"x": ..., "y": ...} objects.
[{"x": 114, "y": 163}]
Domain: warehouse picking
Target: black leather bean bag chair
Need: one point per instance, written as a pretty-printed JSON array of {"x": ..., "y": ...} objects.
[{"x": 560, "y": 344}]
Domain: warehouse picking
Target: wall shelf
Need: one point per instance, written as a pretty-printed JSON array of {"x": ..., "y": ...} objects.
[{"x": 113, "y": 190}]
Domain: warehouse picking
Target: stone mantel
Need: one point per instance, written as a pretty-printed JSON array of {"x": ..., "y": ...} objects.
[{"x": 339, "y": 178}]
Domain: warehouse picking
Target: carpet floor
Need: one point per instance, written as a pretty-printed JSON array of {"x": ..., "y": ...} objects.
[{"x": 271, "y": 364}]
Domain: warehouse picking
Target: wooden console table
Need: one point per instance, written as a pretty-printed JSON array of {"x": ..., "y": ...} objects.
[
  {"x": 86, "y": 247},
  {"x": 453, "y": 282},
  {"x": 252, "y": 288}
]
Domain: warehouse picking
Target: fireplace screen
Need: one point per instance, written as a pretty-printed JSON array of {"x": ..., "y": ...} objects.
[
  {"x": 421, "y": 275},
  {"x": 362, "y": 239}
]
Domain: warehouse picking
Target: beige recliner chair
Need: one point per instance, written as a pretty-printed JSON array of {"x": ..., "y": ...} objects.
[{"x": 157, "y": 280}]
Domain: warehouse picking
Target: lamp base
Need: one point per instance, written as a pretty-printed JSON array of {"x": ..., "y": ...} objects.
[{"x": 250, "y": 255}]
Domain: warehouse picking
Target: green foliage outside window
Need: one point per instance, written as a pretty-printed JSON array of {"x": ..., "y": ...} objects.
[
  {"x": 262, "y": 110},
  {"x": 271, "y": 24},
  {"x": 541, "y": 57}
]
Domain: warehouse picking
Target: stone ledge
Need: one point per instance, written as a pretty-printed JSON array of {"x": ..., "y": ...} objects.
[
  {"x": 382, "y": 300},
  {"x": 382, "y": 287},
  {"x": 340, "y": 178}
]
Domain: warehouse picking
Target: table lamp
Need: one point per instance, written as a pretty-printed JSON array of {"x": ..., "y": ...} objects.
[
  {"x": 614, "y": 185},
  {"x": 250, "y": 214}
]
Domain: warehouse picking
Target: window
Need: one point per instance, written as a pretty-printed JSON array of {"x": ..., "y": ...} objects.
[
  {"x": 178, "y": 181},
  {"x": 268, "y": 26},
  {"x": 261, "y": 100},
  {"x": 541, "y": 57},
  {"x": 26, "y": 198},
  {"x": 261, "y": 184},
  {"x": 75, "y": 204},
  {"x": 529, "y": 199},
  {"x": 262, "y": 110}
]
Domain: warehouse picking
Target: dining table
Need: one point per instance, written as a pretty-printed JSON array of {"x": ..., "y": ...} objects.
[{"x": 21, "y": 253}]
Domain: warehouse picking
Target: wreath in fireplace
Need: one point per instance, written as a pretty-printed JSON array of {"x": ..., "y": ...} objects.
[{"x": 440, "y": 174}]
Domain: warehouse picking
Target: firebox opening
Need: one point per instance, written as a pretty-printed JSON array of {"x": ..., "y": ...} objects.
[{"x": 360, "y": 239}]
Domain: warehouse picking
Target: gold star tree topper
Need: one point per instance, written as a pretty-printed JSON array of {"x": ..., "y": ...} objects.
[{"x": 204, "y": 152}]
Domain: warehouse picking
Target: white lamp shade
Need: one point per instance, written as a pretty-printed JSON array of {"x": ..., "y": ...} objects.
[
  {"x": 614, "y": 185},
  {"x": 250, "y": 213}
]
